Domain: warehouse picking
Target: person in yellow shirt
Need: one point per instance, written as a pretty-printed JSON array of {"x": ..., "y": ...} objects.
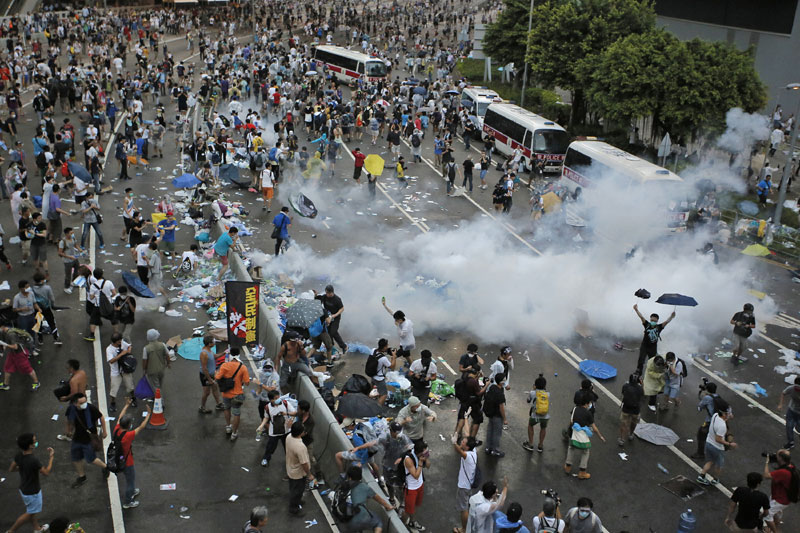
[{"x": 400, "y": 171}]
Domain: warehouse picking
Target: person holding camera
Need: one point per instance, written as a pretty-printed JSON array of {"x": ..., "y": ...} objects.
[
  {"x": 378, "y": 363},
  {"x": 469, "y": 393},
  {"x": 716, "y": 444},
  {"x": 708, "y": 393},
  {"x": 422, "y": 373},
  {"x": 548, "y": 519},
  {"x": 743, "y": 325},
  {"x": 793, "y": 412},
  {"x": 784, "y": 488}
]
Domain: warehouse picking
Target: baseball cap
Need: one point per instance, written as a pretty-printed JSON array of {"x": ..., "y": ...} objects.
[
  {"x": 505, "y": 350},
  {"x": 413, "y": 401},
  {"x": 395, "y": 427}
]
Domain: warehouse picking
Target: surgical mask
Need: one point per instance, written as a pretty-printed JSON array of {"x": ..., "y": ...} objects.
[
  {"x": 583, "y": 514},
  {"x": 36, "y": 444},
  {"x": 83, "y": 405},
  {"x": 653, "y": 323}
]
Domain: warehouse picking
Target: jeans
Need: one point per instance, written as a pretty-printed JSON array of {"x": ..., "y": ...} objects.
[
  {"x": 85, "y": 233},
  {"x": 333, "y": 331},
  {"x": 96, "y": 181},
  {"x": 467, "y": 176},
  {"x": 792, "y": 422},
  {"x": 494, "y": 430},
  {"x": 296, "y": 488},
  {"x": 130, "y": 483},
  {"x": 272, "y": 445},
  {"x": 70, "y": 272}
]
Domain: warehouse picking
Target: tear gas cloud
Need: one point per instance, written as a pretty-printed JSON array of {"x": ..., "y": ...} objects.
[{"x": 743, "y": 130}]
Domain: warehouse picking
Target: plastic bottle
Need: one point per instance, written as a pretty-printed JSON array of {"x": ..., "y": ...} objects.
[
  {"x": 661, "y": 467},
  {"x": 687, "y": 523}
]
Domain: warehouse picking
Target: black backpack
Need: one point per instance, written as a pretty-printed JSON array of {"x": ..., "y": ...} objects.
[
  {"x": 684, "y": 368},
  {"x": 462, "y": 394},
  {"x": 115, "y": 457},
  {"x": 125, "y": 311},
  {"x": 106, "y": 307},
  {"x": 415, "y": 142},
  {"x": 343, "y": 509},
  {"x": 371, "y": 368},
  {"x": 793, "y": 493}
]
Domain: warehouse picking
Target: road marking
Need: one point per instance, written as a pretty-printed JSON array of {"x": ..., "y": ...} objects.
[
  {"x": 448, "y": 367},
  {"x": 790, "y": 319}
]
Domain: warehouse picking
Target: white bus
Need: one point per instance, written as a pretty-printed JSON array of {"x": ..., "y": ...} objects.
[
  {"x": 476, "y": 100},
  {"x": 348, "y": 65},
  {"x": 588, "y": 161},
  {"x": 537, "y": 137}
]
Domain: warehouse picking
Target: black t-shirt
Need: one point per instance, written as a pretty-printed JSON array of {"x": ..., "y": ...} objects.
[
  {"x": 29, "y": 467},
  {"x": 493, "y": 398},
  {"x": 25, "y": 228},
  {"x": 583, "y": 417},
  {"x": 751, "y": 502},
  {"x": 332, "y": 304},
  {"x": 468, "y": 166},
  {"x": 581, "y": 395},
  {"x": 468, "y": 360},
  {"x": 85, "y": 422},
  {"x": 631, "y": 398},
  {"x": 746, "y": 319},
  {"x": 41, "y": 227},
  {"x": 651, "y": 335}
]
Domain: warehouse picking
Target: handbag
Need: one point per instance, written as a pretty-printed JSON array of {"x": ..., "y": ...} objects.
[
  {"x": 226, "y": 384},
  {"x": 96, "y": 441},
  {"x": 62, "y": 389},
  {"x": 276, "y": 232}
]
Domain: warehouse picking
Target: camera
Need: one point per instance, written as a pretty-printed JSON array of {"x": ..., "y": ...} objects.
[
  {"x": 704, "y": 385},
  {"x": 773, "y": 458},
  {"x": 551, "y": 493}
]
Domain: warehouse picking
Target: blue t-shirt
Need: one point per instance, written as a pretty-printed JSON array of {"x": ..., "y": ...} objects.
[
  {"x": 764, "y": 187},
  {"x": 282, "y": 221},
  {"x": 168, "y": 227},
  {"x": 140, "y": 146},
  {"x": 223, "y": 244}
]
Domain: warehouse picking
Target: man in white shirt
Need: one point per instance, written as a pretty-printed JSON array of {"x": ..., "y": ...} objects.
[
  {"x": 114, "y": 352},
  {"x": 715, "y": 445},
  {"x": 95, "y": 287},
  {"x": 482, "y": 506},
  {"x": 383, "y": 365},
  {"x": 503, "y": 365},
  {"x": 142, "y": 254},
  {"x": 423, "y": 372},
  {"x": 465, "y": 447},
  {"x": 405, "y": 330},
  {"x": 267, "y": 187}
]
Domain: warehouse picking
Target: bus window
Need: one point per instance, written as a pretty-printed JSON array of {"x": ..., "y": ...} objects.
[
  {"x": 527, "y": 142},
  {"x": 550, "y": 141},
  {"x": 376, "y": 68},
  {"x": 360, "y": 68}
]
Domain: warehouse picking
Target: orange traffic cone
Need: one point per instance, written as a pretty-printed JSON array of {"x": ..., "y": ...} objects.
[{"x": 157, "y": 420}]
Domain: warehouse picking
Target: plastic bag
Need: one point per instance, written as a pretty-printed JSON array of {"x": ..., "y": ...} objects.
[
  {"x": 143, "y": 389},
  {"x": 398, "y": 380},
  {"x": 291, "y": 402},
  {"x": 442, "y": 388},
  {"x": 358, "y": 348}
]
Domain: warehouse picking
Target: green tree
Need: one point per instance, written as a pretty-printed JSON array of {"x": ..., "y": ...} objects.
[
  {"x": 505, "y": 38},
  {"x": 568, "y": 36}
]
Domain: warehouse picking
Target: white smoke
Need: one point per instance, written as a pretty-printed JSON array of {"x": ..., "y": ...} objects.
[{"x": 743, "y": 130}]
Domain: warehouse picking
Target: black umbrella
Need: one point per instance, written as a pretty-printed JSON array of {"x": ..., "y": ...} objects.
[
  {"x": 357, "y": 405},
  {"x": 676, "y": 299},
  {"x": 303, "y": 313}
]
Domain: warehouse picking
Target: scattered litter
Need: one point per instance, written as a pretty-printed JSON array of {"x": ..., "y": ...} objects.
[
  {"x": 310, "y": 523},
  {"x": 661, "y": 467},
  {"x": 752, "y": 388},
  {"x": 623, "y": 456},
  {"x": 723, "y": 355},
  {"x": 5, "y": 286},
  {"x": 173, "y": 313},
  {"x": 169, "y": 486},
  {"x": 526, "y": 356},
  {"x": 762, "y": 350},
  {"x": 233, "y": 498},
  {"x": 54, "y": 417},
  {"x": 441, "y": 437},
  {"x": 245, "y": 469},
  {"x": 689, "y": 440},
  {"x": 725, "y": 342}
]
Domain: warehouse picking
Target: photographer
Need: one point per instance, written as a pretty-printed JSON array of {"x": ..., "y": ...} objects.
[
  {"x": 469, "y": 394},
  {"x": 377, "y": 365},
  {"x": 549, "y": 517},
  {"x": 708, "y": 396},
  {"x": 783, "y": 488}
]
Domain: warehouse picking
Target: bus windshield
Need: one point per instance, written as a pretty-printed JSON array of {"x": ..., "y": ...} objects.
[
  {"x": 376, "y": 68},
  {"x": 550, "y": 141},
  {"x": 482, "y": 106}
]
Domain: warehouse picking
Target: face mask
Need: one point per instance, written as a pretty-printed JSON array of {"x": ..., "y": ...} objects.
[
  {"x": 83, "y": 405},
  {"x": 653, "y": 323},
  {"x": 36, "y": 444},
  {"x": 583, "y": 514}
]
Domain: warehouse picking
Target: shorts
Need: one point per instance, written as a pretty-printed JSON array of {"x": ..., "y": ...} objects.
[
  {"x": 17, "y": 362},
  {"x": 628, "y": 419},
  {"x": 268, "y": 192},
  {"x": 39, "y": 252},
  {"x": 128, "y": 224},
  {"x": 462, "y": 499},
  {"x": 775, "y": 510},
  {"x": 203, "y": 381},
  {"x": 413, "y": 498},
  {"x": 95, "y": 319},
  {"x": 168, "y": 245},
  {"x": 26, "y": 247},
  {"x": 391, "y": 478},
  {"x": 118, "y": 380},
  {"x": 33, "y": 502},
  {"x": 672, "y": 389},
  {"x": 80, "y": 451},
  {"x": 234, "y": 404},
  {"x": 381, "y": 386},
  {"x": 476, "y": 415},
  {"x": 395, "y": 148},
  {"x": 463, "y": 409},
  {"x": 714, "y": 455},
  {"x": 532, "y": 421},
  {"x": 223, "y": 259}
]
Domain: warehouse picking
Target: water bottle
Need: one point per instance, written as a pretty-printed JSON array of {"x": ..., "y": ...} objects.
[{"x": 687, "y": 523}]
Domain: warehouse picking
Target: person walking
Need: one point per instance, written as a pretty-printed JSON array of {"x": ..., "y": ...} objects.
[
  {"x": 539, "y": 414},
  {"x": 298, "y": 468},
  {"x": 580, "y": 444},
  {"x": 16, "y": 345},
  {"x": 750, "y": 505},
  {"x": 155, "y": 359},
  {"x": 582, "y": 518},
  {"x": 29, "y": 468},
  {"x": 208, "y": 367},
  {"x": 235, "y": 375},
  {"x": 494, "y": 407},
  {"x": 125, "y": 432},
  {"x": 632, "y": 393},
  {"x": 280, "y": 420},
  {"x": 413, "y": 463},
  {"x": 413, "y": 417},
  {"x": 280, "y": 232},
  {"x": 469, "y": 393},
  {"x": 46, "y": 300},
  {"x": 68, "y": 252},
  {"x": 91, "y": 219},
  {"x": 267, "y": 178},
  {"x": 743, "y": 325},
  {"x": 334, "y": 308},
  {"x": 716, "y": 444},
  {"x": 468, "y": 476},
  {"x": 223, "y": 244},
  {"x": 707, "y": 405},
  {"x": 792, "y": 412},
  {"x": 124, "y": 312},
  {"x": 360, "y": 493},
  {"x": 395, "y": 444},
  {"x": 84, "y": 419},
  {"x": 655, "y": 376},
  {"x": 120, "y": 373}
]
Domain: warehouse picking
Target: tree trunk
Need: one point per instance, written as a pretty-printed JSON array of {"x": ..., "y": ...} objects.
[{"x": 578, "y": 110}]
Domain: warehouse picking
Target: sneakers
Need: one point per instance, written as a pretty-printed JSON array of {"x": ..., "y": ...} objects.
[
  {"x": 234, "y": 436},
  {"x": 130, "y": 505},
  {"x": 583, "y": 474},
  {"x": 57, "y": 341},
  {"x": 78, "y": 482},
  {"x": 413, "y": 524},
  {"x": 528, "y": 446},
  {"x": 698, "y": 456},
  {"x": 620, "y": 442},
  {"x": 539, "y": 448},
  {"x": 68, "y": 290},
  {"x": 228, "y": 430},
  {"x": 202, "y": 410},
  {"x": 36, "y": 386},
  {"x": 702, "y": 480},
  {"x": 112, "y": 408},
  {"x": 136, "y": 492},
  {"x": 220, "y": 407},
  {"x": 3, "y": 386},
  {"x": 652, "y": 408},
  {"x": 788, "y": 445},
  {"x": 89, "y": 338},
  {"x": 66, "y": 438}
]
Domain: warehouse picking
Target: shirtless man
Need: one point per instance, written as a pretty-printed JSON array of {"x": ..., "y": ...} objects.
[
  {"x": 78, "y": 382},
  {"x": 291, "y": 351}
]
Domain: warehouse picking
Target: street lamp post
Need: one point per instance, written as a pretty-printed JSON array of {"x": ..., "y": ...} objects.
[
  {"x": 525, "y": 59},
  {"x": 787, "y": 168}
]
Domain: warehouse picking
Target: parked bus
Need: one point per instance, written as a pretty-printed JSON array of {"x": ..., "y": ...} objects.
[
  {"x": 348, "y": 65},
  {"x": 537, "y": 137},
  {"x": 476, "y": 100},
  {"x": 588, "y": 161}
]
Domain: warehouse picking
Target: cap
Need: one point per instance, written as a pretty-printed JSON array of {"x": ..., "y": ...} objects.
[
  {"x": 152, "y": 334},
  {"x": 170, "y": 213},
  {"x": 505, "y": 350},
  {"x": 346, "y": 422},
  {"x": 395, "y": 427},
  {"x": 413, "y": 401}
]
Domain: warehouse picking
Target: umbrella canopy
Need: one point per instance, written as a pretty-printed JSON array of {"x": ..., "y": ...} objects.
[
  {"x": 79, "y": 171},
  {"x": 137, "y": 287},
  {"x": 374, "y": 164},
  {"x": 748, "y": 208},
  {"x": 231, "y": 174},
  {"x": 303, "y": 313},
  {"x": 644, "y": 294},
  {"x": 451, "y": 92},
  {"x": 659, "y": 435},
  {"x": 382, "y": 102},
  {"x": 597, "y": 369},
  {"x": 419, "y": 89},
  {"x": 673, "y": 298},
  {"x": 303, "y": 205},
  {"x": 186, "y": 181},
  {"x": 357, "y": 405},
  {"x": 311, "y": 73},
  {"x": 756, "y": 250}
]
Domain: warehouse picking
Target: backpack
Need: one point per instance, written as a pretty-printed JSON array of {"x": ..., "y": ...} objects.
[
  {"x": 115, "y": 457},
  {"x": 684, "y": 368},
  {"x": 106, "y": 307},
  {"x": 41, "y": 160},
  {"x": 462, "y": 394},
  {"x": 225, "y": 121},
  {"x": 127, "y": 365},
  {"x": 415, "y": 142},
  {"x": 343, "y": 509},
  {"x": 544, "y": 527},
  {"x": 542, "y": 402},
  {"x": 216, "y": 159},
  {"x": 793, "y": 493},
  {"x": 371, "y": 368},
  {"x": 125, "y": 311}
]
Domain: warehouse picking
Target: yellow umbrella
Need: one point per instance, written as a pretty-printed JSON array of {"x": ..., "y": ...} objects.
[
  {"x": 756, "y": 250},
  {"x": 374, "y": 164},
  {"x": 551, "y": 202}
]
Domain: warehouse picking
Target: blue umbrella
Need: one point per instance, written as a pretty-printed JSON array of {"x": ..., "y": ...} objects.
[
  {"x": 79, "y": 171},
  {"x": 597, "y": 369},
  {"x": 186, "y": 181},
  {"x": 420, "y": 90},
  {"x": 136, "y": 285},
  {"x": 674, "y": 298}
]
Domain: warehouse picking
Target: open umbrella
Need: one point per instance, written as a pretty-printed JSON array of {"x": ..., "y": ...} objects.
[
  {"x": 303, "y": 313},
  {"x": 357, "y": 405},
  {"x": 303, "y": 205},
  {"x": 231, "y": 173},
  {"x": 451, "y": 92},
  {"x": 419, "y": 89},
  {"x": 374, "y": 164},
  {"x": 660, "y": 435},
  {"x": 186, "y": 181},
  {"x": 673, "y": 298},
  {"x": 756, "y": 250},
  {"x": 79, "y": 171},
  {"x": 135, "y": 284},
  {"x": 383, "y": 103},
  {"x": 597, "y": 369},
  {"x": 748, "y": 208}
]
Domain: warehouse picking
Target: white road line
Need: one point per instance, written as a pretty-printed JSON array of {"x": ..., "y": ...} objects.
[
  {"x": 448, "y": 367},
  {"x": 791, "y": 319}
]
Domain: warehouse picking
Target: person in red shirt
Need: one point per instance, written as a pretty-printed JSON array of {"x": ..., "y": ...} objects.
[
  {"x": 781, "y": 483},
  {"x": 360, "y": 157},
  {"x": 126, "y": 435}
]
